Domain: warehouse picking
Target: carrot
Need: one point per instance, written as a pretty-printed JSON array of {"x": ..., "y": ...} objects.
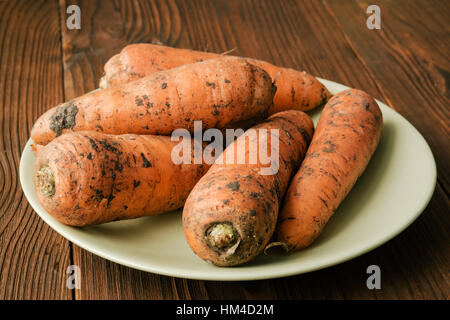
[
  {"x": 222, "y": 93},
  {"x": 346, "y": 136},
  {"x": 231, "y": 213},
  {"x": 296, "y": 89},
  {"x": 85, "y": 178}
]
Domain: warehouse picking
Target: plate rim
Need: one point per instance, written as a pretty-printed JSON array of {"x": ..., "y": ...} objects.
[{"x": 218, "y": 276}]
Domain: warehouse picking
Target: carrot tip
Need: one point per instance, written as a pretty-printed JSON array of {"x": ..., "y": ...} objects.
[
  {"x": 103, "y": 84},
  {"x": 276, "y": 244}
]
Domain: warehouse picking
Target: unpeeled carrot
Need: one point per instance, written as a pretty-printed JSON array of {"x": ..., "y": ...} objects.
[
  {"x": 297, "y": 90},
  {"x": 231, "y": 213},
  {"x": 222, "y": 93},
  {"x": 85, "y": 178},
  {"x": 346, "y": 136}
]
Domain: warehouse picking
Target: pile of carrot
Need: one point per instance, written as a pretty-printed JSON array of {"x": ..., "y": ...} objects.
[{"x": 108, "y": 155}]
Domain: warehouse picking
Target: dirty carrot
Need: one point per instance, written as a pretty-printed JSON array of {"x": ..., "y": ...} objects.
[
  {"x": 85, "y": 178},
  {"x": 221, "y": 93},
  {"x": 231, "y": 213},
  {"x": 346, "y": 136},
  {"x": 297, "y": 90}
]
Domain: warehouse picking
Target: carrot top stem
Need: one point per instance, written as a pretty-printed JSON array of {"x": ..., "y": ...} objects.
[
  {"x": 221, "y": 235},
  {"x": 229, "y": 51},
  {"x": 46, "y": 181}
]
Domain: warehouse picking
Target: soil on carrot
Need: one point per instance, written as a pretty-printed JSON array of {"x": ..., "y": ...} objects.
[{"x": 63, "y": 118}]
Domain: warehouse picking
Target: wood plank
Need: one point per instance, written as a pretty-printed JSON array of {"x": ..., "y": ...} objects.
[
  {"x": 410, "y": 65},
  {"x": 273, "y": 32},
  {"x": 299, "y": 34},
  {"x": 33, "y": 258},
  {"x": 106, "y": 27},
  {"x": 332, "y": 58},
  {"x": 409, "y": 57}
]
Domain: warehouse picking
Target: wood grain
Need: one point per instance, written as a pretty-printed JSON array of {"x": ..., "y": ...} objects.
[
  {"x": 409, "y": 58},
  {"x": 405, "y": 65},
  {"x": 106, "y": 27},
  {"x": 262, "y": 29},
  {"x": 33, "y": 258}
]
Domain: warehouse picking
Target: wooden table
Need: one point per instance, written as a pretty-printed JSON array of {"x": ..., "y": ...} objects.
[{"x": 405, "y": 64}]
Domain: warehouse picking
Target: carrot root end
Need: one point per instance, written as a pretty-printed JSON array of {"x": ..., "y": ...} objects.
[
  {"x": 222, "y": 236},
  {"x": 46, "y": 181}
]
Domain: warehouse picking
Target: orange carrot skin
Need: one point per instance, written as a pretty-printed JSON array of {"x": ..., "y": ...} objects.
[
  {"x": 101, "y": 178},
  {"x": 346, "y": 136},
  {"x": 297, "y": 90},
  {"x": 238, "y": 195},
  {"x": 222, "y": 93}
]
